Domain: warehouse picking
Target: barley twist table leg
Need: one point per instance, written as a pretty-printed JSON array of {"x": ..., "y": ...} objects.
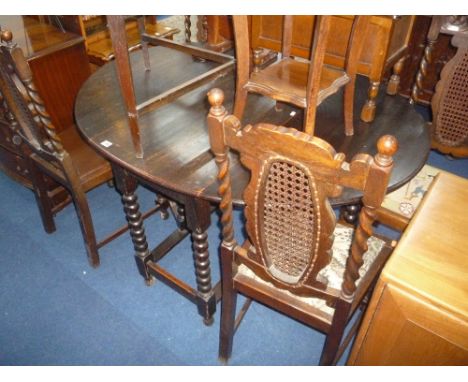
[{"x": 127, "y": 186}]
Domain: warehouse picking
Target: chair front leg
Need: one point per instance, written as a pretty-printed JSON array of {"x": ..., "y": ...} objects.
[{"x": 228, "y": 306}]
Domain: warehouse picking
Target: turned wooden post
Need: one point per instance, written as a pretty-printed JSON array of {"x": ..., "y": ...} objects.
[
  {"x": 377, "y": 181},
  {"x": 219, "y": 148}
]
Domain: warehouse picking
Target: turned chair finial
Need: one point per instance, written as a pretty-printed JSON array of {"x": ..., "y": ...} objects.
[
  {"x": 387, "y": 146},
  {"x": 6, "y": 36},
  {"x": 216, "y": 99}
]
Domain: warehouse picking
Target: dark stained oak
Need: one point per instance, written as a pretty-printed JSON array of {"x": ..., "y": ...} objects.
[
  {"x": 291, "y": 228},
  {"x": 179, "y": 165},
  {"x": 49, "y": 153},
  {"x": 175, "y": 137}
]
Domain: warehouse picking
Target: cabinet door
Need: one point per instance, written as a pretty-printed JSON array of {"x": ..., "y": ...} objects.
[{"x": 404, "y": 330}]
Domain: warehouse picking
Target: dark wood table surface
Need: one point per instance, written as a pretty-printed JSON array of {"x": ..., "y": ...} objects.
[
  {"x": 177, "y": 161},
  {"x": 175, "y": 138}
]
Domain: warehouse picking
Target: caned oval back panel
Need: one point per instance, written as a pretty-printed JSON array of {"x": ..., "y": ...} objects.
[
  {"x": 289, "y": 219},
  {"x": 287, "y": 216},
  {"x": 450, "y": 104}
]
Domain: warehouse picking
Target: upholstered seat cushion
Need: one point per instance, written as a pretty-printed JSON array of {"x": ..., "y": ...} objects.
[
  {"x": 334, "y": 271},
  {"x": 406, "y": 199}
]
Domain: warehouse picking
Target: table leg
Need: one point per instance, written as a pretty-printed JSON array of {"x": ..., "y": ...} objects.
[
  {"x": 126, "y": 185},
  {"x": 198, "y": 221}
]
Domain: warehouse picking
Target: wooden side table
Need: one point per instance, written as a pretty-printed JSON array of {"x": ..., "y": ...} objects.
[{"x": 418, "y": 314}]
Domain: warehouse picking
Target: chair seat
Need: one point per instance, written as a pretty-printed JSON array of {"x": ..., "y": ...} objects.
[
  {"x": 92, "y": 169},
  {"x": 406, "y": 199},
  {"x": 333, "y": 272},
  {"x": 286, "y": 80}
]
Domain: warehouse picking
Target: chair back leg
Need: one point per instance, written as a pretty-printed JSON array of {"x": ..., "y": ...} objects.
[{"x": 317, "y": 58}]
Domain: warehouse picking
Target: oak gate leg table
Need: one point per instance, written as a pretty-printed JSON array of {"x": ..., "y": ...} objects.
[{"x": 177, "y": 162}]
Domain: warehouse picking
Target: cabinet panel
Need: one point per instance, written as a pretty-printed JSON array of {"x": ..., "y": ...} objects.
[{"x": 412, "y": 332}]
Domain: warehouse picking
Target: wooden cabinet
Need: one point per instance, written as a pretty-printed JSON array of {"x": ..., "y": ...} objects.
[
  {"x": 58, "y": 62},
  {"x": 418, "y": 314}
]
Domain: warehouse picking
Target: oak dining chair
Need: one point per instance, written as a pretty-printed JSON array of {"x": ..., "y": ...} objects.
[{"x": 296, "y": 258}]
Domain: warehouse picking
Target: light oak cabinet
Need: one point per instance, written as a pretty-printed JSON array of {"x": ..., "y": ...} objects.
[{"x": 418, "y": 314}]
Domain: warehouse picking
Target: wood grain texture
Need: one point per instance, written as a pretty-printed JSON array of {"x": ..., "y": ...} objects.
[
  {"x": 175, "y": 136},
  {"x": 418, "y": 314},
  {"x": 46, "y": 48}
]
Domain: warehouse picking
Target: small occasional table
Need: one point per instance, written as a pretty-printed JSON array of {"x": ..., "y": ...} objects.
[{"x": 179, "y": 165}]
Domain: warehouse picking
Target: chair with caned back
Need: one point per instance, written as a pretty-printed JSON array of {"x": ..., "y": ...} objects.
[
  {"x": 302, "y": 83},
  {"x": 450, "y": 100},
  {"x": 63, "y": 156},
  {"x": 296, "y": 259}
]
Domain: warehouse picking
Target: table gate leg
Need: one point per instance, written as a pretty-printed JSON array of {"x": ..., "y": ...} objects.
[
  {"x": 126, "y": 185},
  {"x": 198, "y": 221}
]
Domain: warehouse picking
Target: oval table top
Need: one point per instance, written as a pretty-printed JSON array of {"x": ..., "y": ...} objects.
[{"x": 175, "y": 137}]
